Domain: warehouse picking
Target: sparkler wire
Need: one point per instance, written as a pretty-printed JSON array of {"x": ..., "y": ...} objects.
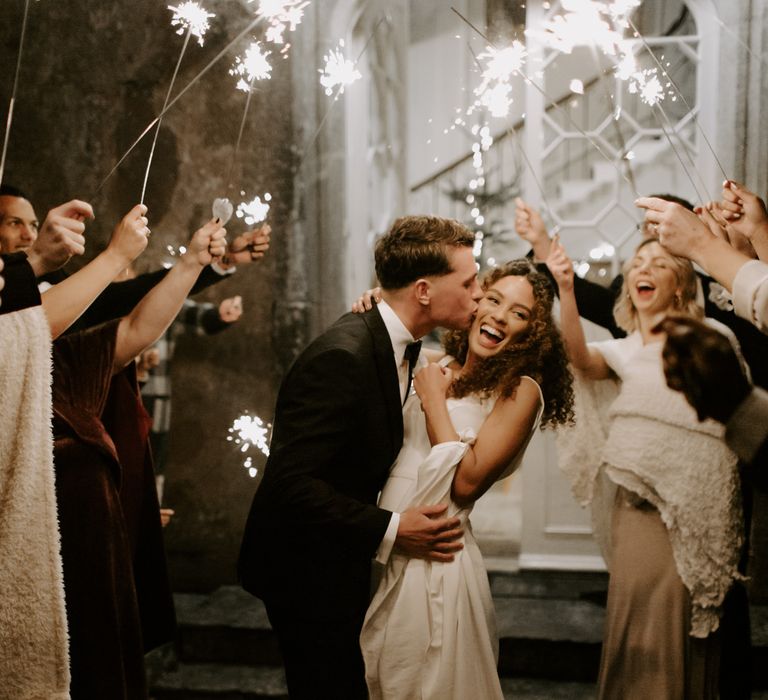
[
  {"x": 671, "y": 128},
  {"x": 553, "y": 102},
  {"x": 614, "y": 121},
  {"x": 228, "y": 184},
  {"x": 165, "y": 104},
  {"x": 9, "y": 120},
  {"x": 679, "y": 94},
  {"x": 208, "y": 66}
]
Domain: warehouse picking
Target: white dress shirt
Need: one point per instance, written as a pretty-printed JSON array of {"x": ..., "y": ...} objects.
[{"x": 401, "y": 337}]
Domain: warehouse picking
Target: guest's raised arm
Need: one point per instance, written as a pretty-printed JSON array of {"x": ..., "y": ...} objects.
[
  {"x": 147, "y": 322},
  {"x": 582, "y": 357},
  {"x": 61, "y": 236},
  {"x": 746, "y": 215},
  {"x": 682, "y": 233},
  {"x": 64, "y": 302}
]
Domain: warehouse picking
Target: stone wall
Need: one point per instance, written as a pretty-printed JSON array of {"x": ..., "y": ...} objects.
[{"x": 93, "y": 76}]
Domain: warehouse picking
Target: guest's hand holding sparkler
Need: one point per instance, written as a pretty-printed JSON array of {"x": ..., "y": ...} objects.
[
  {"x": 746, "y": 215},
  {"x": 65, "y": 301},
  {"x": 683, "y": 233},
  {"x": 208, "y": 243},
  {"x": 130, "y": 237},
  {"x": 60, "y": 237},
  {"x": 248, "y": 247},
  {"x": 530, "y": 227},
  {"x": 560, "y": 265}
]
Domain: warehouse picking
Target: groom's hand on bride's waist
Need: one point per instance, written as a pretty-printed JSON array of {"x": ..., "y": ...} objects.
[{"x": 425, "y": 533}]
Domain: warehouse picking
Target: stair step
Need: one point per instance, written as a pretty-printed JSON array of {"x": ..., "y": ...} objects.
[
  {"x": 228, "y": 682},
  {"x": 220, "y": 682},
  {"x": 550, "y": 626}
]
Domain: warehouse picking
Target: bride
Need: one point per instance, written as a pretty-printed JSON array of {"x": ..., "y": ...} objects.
[{"x": 430, "y": 629}]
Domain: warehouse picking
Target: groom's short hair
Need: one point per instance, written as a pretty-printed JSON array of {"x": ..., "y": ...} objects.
[{"x": 417, "y": 246}]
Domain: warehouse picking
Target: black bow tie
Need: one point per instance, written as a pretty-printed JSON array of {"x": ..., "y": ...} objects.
[{"x": 412, "y": 351}]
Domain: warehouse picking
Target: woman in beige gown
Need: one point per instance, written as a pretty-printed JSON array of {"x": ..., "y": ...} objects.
[{"x": 675, "y": 524}]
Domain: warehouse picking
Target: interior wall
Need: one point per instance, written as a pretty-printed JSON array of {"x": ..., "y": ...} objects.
[{"x": 94, "y": 74}]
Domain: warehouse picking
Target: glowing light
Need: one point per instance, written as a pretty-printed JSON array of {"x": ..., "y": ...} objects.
[
  {"x": 577, "y": 86},
  {"x": 497, "y": 99},
  {"x": 502, "y": 64},
  {"x": 583, "y": 23},
  {"x": 254, "y": 211},
  {"x": 621, "y": 9},
  {"x": 338, "y": 71},
  {"x": 498, "y": 67},
  {"x": 281, "y": 15},
  {"x": 247, "y": 432},
  {"x": 190, "y": 16},
  {"x": 647, "y": 85},
  {"x": 252, "y": 65}
]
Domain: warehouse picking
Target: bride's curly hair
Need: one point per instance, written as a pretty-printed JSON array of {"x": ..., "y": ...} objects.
[{"x": 540, "y": 353}]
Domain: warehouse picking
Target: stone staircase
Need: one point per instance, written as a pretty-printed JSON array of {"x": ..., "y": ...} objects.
[{"x": 549, "y": 624}]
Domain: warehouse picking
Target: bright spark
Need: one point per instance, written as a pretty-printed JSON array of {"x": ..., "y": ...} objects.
[
  {"x": 253, "y": 65},
  {"x": 647, "y": 85},
  {"x": 250, "y": 431},
  {"x": 499, "y": 66},
  {"x": 254, "y": 211},
  {"x": 281, "y": 15},
  {"x": 190, "y": 16},
  {"x": 502, "y": 64},
  {"x": 338, "y": 70}
]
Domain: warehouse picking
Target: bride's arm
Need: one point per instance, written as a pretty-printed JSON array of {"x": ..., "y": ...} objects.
[{"x": 500, "y": 438}]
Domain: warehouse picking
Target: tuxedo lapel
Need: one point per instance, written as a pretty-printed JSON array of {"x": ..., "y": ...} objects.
[{"x": 387, "y": 371}]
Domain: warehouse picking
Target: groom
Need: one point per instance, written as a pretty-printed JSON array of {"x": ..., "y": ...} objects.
[{"x": 314, "y": 527}]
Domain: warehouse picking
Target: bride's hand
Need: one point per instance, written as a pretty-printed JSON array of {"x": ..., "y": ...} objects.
[
  {"x": 431, "y": 383},
  {"x": 366, "y": 300}
]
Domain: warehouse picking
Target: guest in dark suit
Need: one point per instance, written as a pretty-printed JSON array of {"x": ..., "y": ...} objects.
[{"x": 314, "y": 527}]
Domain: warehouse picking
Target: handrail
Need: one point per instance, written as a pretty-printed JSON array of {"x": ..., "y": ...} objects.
[{"x": 508, "y": 131}]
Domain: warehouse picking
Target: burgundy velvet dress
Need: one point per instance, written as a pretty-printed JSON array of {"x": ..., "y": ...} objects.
[{"x": 107, "y": 506}]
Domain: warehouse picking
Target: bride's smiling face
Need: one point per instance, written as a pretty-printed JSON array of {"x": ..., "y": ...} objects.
[{"x": 503, "y": 315}]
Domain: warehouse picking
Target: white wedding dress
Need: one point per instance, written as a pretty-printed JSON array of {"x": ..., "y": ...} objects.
[{"x": 430, "y": 630}]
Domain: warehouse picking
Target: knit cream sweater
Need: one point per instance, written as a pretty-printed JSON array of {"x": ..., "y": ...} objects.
[
  {"x": 641, "y": 435},
  {"x": 34, "y": 659}
]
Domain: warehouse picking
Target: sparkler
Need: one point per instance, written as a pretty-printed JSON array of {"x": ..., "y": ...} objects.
[
  {"x": 497, "y": 66},
  {"x": 250, "y": 431},
  {"x": 679, "y": 93},
  {"x": 319, "y": 127},
  {"x": 253, "y": 65},
  {"x": 9, "y": 119},
  {"x": 338, "y": 70},
  {"x": 193, "y": 18}
]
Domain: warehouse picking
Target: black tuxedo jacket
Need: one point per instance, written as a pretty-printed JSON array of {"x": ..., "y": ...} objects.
[{"x": 314, "y": 527}]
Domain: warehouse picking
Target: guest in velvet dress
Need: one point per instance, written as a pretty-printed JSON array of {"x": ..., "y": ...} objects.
[{"x": 108, "y": 512}]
